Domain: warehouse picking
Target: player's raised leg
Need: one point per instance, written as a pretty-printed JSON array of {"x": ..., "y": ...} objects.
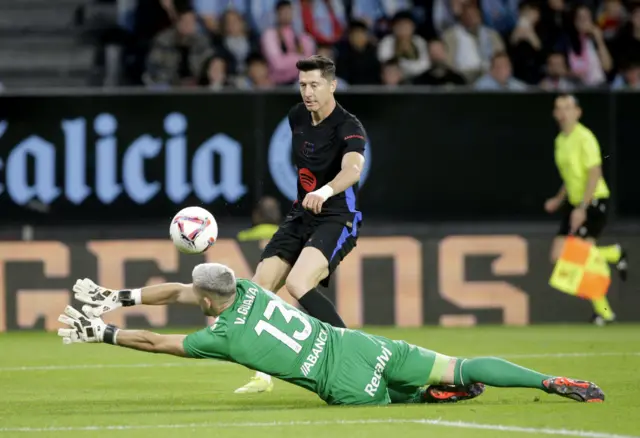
[
  {"x": 497, "y": 372},
  {"x": 310, "y": 269},
  {"x": 415, "y": 367}
]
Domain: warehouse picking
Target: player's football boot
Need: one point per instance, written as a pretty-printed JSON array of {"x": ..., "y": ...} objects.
[
  {"x": 578, "y": 390},
  {"x": 452, "y": 393},
  {"x": 600, "y": 321},
  {"x": 256, "y": 384}
]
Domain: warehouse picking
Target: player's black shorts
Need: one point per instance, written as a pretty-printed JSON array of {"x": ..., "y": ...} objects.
[
  {"x": 593, "y": 225},
  {"x": 335, "y": 239}
]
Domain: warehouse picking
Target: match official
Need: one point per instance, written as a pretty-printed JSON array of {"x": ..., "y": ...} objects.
[
  {"x": 583, "y": 197},
  {"x": 323, "y": 224},
  {"x": 265, "y": 218}
]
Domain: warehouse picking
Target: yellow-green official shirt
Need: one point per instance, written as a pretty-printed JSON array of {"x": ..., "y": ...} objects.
[
  {"x": 575, "y": 154},
  {"x": 259, "y": 232}
]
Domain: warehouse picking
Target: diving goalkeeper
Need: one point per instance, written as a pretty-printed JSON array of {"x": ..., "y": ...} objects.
[{"x": 257, "y": 329}]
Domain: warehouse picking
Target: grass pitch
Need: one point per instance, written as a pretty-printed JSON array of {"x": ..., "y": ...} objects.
[{"x": 51, "y": 390}]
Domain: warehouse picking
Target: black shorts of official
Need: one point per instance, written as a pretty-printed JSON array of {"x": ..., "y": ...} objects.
[
  {"x": 593, "y": 225},
  {"x": 334, "y": 238}
]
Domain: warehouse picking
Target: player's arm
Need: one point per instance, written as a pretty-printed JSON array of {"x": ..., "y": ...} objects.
[
  {"x": 150, "y": 342},
  {"x": 350, "y": 171},
  {"x": 562, "y": 193},
  {"x": 354, "y": 141},
  {"x": 83, "y": 328},
  {"x": 86, "y": 328},
  {"x": 593, "y": 176},
  {"x": 105, "y": 300},
  {"x": 168, "y": 293},
  {"x": 592, "y": 162}
]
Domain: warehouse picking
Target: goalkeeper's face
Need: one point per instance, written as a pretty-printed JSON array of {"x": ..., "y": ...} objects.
[{"x": 206, "y": 304}]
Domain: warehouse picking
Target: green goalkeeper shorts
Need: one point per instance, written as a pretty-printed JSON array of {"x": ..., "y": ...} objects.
[{"x": 370, "y": 365}]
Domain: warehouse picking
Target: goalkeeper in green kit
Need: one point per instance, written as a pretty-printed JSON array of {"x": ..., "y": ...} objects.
[{"x": 257, "y": 329}]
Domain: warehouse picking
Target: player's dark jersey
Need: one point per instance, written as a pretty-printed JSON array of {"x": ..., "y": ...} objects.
[{"x": 318, "y": 152}]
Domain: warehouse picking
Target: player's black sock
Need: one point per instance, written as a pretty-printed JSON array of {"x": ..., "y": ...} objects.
[{"x": 318, "y": 306}]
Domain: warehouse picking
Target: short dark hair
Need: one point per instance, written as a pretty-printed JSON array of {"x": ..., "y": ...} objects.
[
  {"x": 569, "y": 96},
  {"x": 316, "y": 62},
  {"x": 255, "y": 57},
  {"x": 498, "y": 55},
  {"x": 356, "y": 24},
  {"x": 282, "y": 4},
  {"x": 392, "y": 62},
  {"x": 528, "y": 4},
  {"x": 403, "y": 15}
]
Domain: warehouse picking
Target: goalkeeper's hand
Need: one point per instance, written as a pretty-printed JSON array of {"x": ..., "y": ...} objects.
[
  {"x": 103, "y": 300},
  {"x": 82, "y": 328}
]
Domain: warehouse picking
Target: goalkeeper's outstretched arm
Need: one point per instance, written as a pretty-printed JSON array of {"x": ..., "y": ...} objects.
[
  {"x": 150, "y": 342},
  {"x": 104, "y": 300},
  {"x": 166, "y": 293}
]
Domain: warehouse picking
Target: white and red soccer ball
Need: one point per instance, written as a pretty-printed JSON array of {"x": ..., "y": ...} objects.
[{"x": 193, "y": 230}]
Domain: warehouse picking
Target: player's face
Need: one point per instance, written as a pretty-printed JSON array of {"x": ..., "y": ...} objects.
[
  {"x": 206, "y": 305},
  {"x": 315, "y": 90},
  {"x": 566, "y": 111}
]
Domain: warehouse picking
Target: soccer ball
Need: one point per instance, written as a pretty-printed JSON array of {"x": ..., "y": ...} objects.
[{"x": 193, "y": 230}]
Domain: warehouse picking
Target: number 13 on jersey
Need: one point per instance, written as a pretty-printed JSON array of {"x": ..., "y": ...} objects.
[{"x": 288, "y": 314}]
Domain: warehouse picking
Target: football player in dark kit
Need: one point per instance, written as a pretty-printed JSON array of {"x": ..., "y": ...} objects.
[{"x": 322, "y": 226}]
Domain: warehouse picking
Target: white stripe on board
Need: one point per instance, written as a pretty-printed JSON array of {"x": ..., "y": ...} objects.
[{"x": 426, "y": 422}]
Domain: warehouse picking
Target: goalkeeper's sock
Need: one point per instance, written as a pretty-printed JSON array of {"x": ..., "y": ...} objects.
[
  {"x": 494, "y": 371},
  {"x": 611, "y": 253},
  {"x": 602, "y": 308}
]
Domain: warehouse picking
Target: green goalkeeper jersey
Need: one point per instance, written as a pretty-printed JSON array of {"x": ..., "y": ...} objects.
[{"x": 262, "y": 332}]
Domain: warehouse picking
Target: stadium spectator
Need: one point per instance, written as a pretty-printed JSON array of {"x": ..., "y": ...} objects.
[
  {"x": 391, "y": 74},
  {"x": 589, "y": 58},
  {"x": 440, "y": 73},
  {"x": 611, "y": 17},
  {"x": 328, "y": 51},
  {"x": 557, "y": 77},
  {"x": 236, "y": 42},
  {"x": 148, "y": 18},
  {"x": 257, "y": 76},
  {"x": 214, "y": 74},
  {"x": 628, "y": 78},
  {"x": 403, "y": 44},
  {"x": 357, "y": 59},
  {"x": 525, "y": 45},
  {"x": 554, "y": 24},
  {"x": 263, "y": 14},
  {"x": 470, "y": 44},
  {"x": 500, "y": 76},
  {"x": 210, "y": 12},
  {"x": 377, "y": 14},
  {"x": 282, "y": 46},
  {"x": 445, "y": 13},
  {"x": 626, "y": 46},
  {"x": 177, "y": 53},
  {"x": 501, "y": 15},
  {"x": 324, "y": 20}
]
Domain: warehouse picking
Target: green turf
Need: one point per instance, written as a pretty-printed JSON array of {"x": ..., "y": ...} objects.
[{"x": 197, "y": 397}]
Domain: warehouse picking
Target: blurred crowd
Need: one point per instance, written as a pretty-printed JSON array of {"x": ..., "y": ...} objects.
[{"x": 484, "y": 44}]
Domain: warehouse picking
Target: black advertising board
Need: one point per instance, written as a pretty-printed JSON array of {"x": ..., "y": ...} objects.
[{"x": 430, "y": 156}]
